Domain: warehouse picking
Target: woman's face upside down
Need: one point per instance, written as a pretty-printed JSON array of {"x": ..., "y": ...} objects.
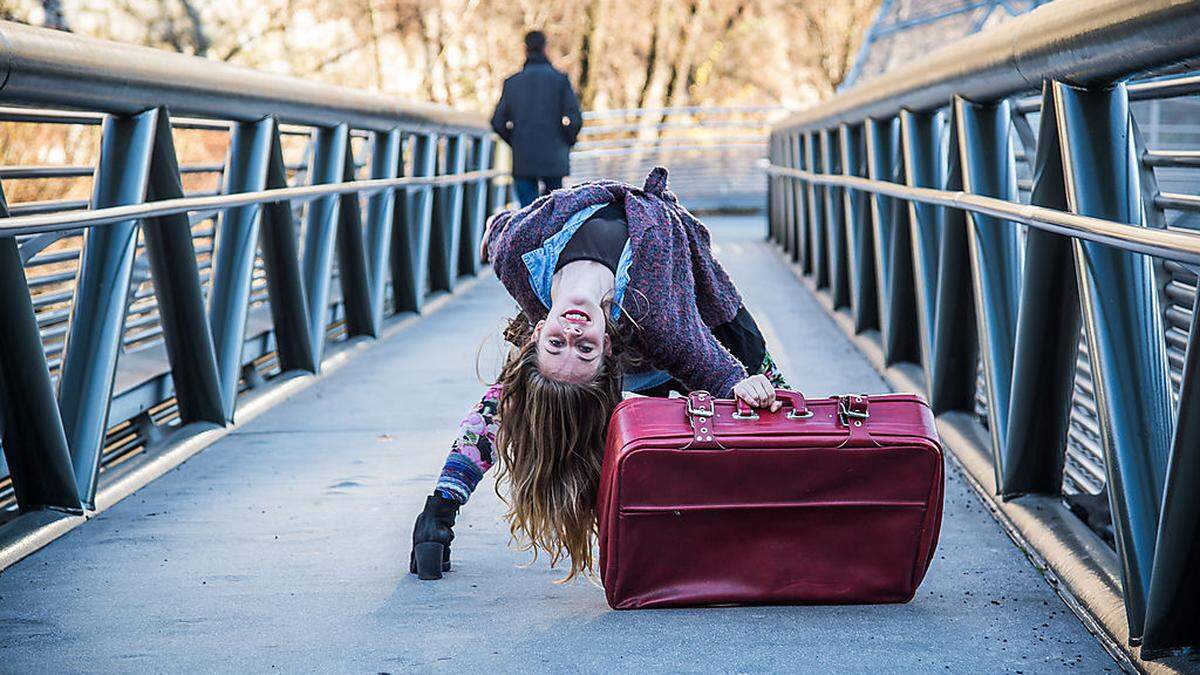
[{"x": 571, "y": 341}]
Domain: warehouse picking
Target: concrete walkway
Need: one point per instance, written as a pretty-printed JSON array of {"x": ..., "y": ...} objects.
[{"x": 284, "y": 546}]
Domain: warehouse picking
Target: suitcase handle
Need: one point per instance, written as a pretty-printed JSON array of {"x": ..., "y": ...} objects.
[{"x": 791, "y": 399}]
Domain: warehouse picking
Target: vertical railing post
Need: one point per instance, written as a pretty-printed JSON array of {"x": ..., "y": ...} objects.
[
  {"x": 1119, "y": 304},
  {"x": 386, "y": 162},
  {"x": 954, "y": 342},
  {"x": 447, "y": 218},
  {"x": 101, "y": 289},
  {"x": 919, "y": 143},
  {"x": 835, "y": 228},
  {"x": 31, "y": 429},
  {"x": 816, "y": 216},
  {"x": 326, "y": 165},
  {"x": 989, "y": 169},
  {"x": 410, "y": 241},
  {"x": 859, "y": 240}
]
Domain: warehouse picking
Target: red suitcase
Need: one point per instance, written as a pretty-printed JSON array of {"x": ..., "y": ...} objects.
[{"x": 829, "y": 501}]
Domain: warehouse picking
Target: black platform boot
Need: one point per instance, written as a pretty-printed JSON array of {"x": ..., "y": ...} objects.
[{"x": 432, "y": 535}]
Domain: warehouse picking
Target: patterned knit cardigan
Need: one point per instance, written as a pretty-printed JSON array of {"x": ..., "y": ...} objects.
[{"x": 677, "y": 291}]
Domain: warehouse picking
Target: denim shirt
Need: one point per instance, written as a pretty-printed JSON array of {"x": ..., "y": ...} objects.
[{"x": 542, "y": 261}]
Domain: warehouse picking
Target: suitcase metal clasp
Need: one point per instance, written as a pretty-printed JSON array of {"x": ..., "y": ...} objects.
[
  {"x": 853, "y": 407},
  {"x": 701, "y": 404}
]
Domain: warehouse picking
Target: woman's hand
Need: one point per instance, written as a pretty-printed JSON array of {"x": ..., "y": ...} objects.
[{"x": 758, "y": 392}]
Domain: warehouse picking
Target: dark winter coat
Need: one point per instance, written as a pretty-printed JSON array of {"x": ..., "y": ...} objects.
[
  {"x": 677, "y": 291},
  {"x": 529, "y": 117}
]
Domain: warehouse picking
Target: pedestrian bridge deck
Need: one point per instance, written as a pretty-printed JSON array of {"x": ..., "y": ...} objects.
[{"x": 285, "y": 544}]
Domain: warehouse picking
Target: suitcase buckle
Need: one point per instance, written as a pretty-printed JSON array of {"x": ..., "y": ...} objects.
[
  {"x": 701, "y": 404},
  {"x": 853, "y": 407}
]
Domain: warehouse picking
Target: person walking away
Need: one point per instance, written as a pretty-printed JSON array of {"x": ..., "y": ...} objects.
[{"x": 538, "y": 116}]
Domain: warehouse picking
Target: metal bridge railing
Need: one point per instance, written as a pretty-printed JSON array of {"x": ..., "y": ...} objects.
[
  {"x": 714, "y": 154},
  {"x": 1019, "y": 249},
  {"x": 304, "y": 213}
]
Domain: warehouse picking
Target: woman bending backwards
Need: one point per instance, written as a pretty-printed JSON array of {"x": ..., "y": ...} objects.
[{"x": 618, "y": 291}]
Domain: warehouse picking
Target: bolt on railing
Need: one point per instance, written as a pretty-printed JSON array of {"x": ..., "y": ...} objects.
[
  {"x": 147, "y": 302},
  {"x": 905, "y": 199}
]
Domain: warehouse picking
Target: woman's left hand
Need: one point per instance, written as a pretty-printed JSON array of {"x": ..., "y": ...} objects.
[{"x": 758, "y": 392}]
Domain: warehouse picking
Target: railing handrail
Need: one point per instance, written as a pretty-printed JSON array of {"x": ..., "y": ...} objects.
[
  {"x": 1075, "y": 41},
  {"x": 51, "y": 68},
  {"x": 74, "y": 220},
  {"x": 1167, "y": 244}
]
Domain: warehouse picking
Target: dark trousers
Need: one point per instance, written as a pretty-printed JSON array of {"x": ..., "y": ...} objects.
[{"x": 527, "y": 187}]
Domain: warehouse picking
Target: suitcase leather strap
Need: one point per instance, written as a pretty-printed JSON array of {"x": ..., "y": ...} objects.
[{"x": 701, "y": 409}]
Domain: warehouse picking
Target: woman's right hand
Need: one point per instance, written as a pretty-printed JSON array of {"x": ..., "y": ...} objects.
[
  {"x": 758, "y": 392},
  {"x": 432, "y": 535}
]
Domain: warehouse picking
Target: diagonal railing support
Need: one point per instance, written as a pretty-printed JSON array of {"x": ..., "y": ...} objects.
[
  {"x": 919, "y": 132},
  {"x": 800, "y": 252},
  {"x": 893, "y": 245},
  {"x": 353, "y": 274},
  {"x": 474, "y": 205},
  {"x": 255, "y": 162},
  {"x": 835, "y": 228},
  {"x": 954, "y": 344},
  {"x": 178, "y": 292},
  {"x": 101, "y": 289},
  {"x": 31, "y": 431},
  {"x": 446, "y": 229},
  {"x": 1119, "y": 304},
  {"x": 327, "y": 164},
  {"x": 789, "y": 214},
  {"x": 387, "y": 161},
  {"x": 1046, "y": 341},
  {"x": 280, "y": 248},
  {"x": 818, "y": 249},
  {"x": 1173, "y": 602},
  {"x": 410, "y": 240},
  {"x": 864, "y": 307},
  {"x": 989, "y": 169}
]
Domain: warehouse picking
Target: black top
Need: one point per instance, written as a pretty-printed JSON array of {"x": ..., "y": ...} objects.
[
  {"x": 741, "y": 337},
  {"x": 601, "y": 238}
]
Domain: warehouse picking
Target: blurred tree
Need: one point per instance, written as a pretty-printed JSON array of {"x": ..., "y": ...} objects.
[{"x": 619, "y": 53}]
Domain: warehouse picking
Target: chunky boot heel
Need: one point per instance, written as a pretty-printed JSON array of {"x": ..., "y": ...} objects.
[{"x": 430, "y": 564}]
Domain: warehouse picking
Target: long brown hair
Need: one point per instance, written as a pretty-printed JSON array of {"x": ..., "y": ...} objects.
[{"x": 550, "y": 445}]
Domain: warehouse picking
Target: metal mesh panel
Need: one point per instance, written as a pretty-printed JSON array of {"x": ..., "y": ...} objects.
[
  {"x": 714, "y": 155},
  {"x": 907, "y": 29}
]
